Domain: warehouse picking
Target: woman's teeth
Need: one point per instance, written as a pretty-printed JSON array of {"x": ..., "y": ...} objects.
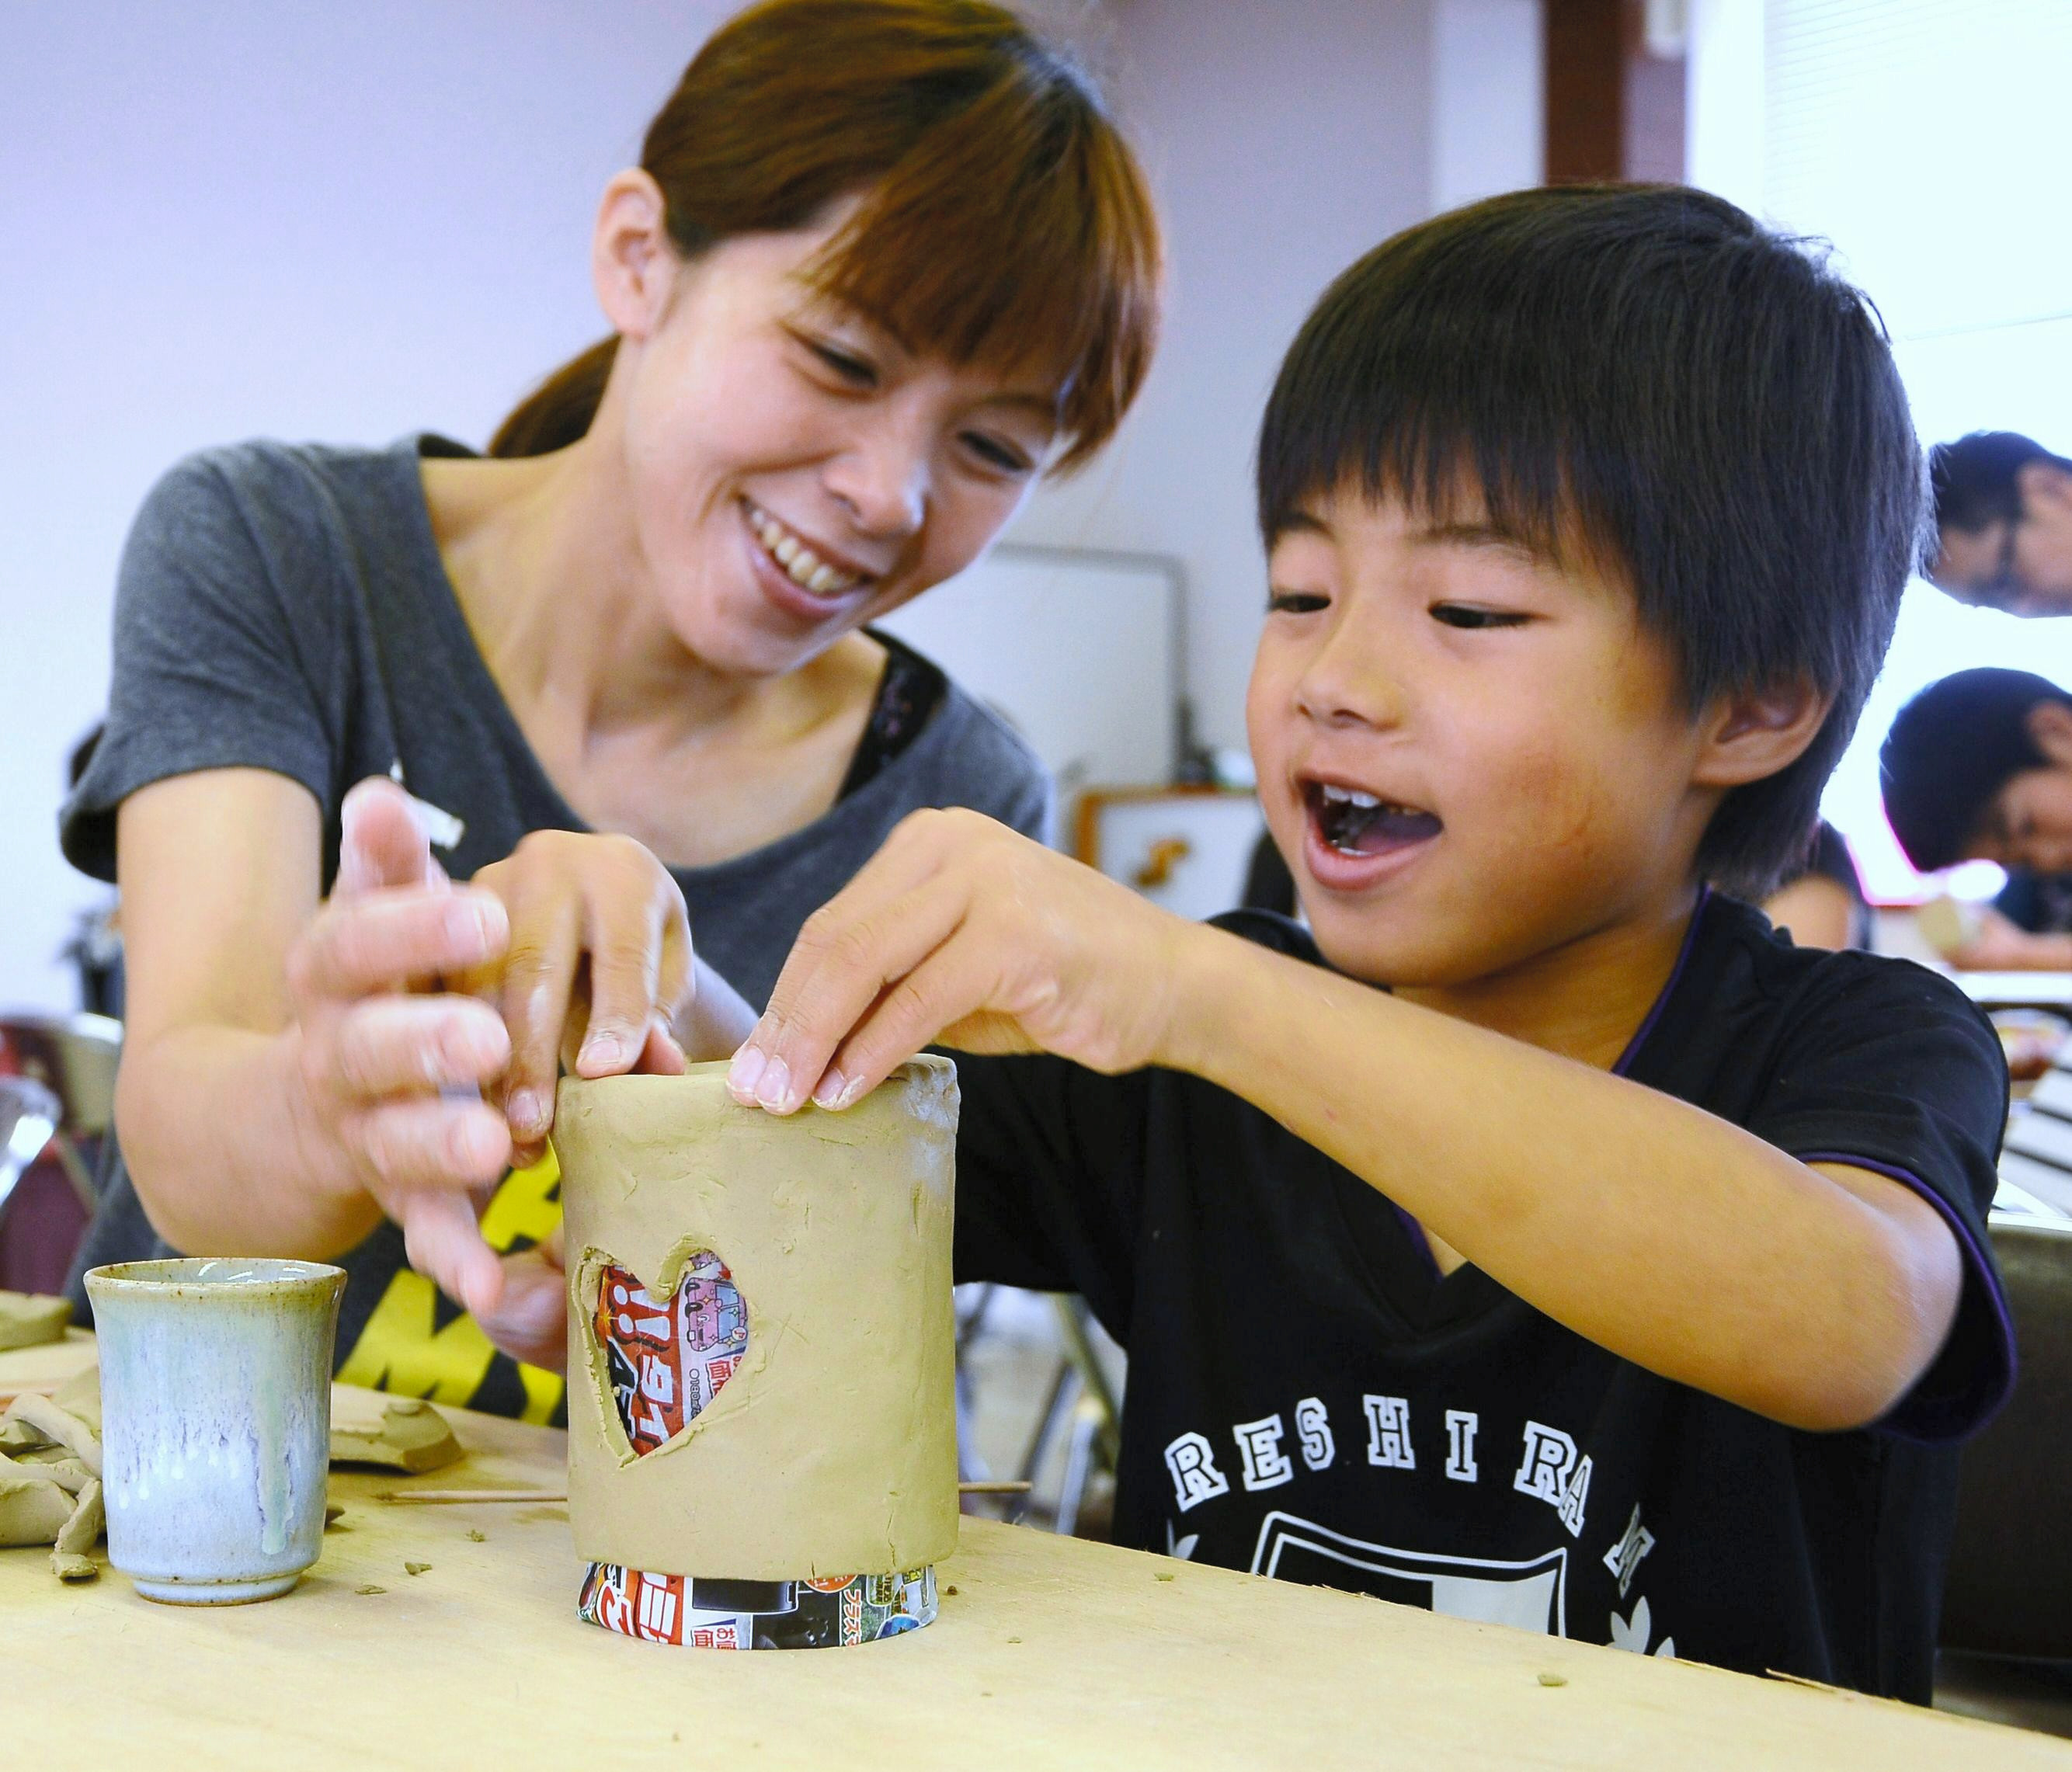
[{"x": 797, "y": 560}]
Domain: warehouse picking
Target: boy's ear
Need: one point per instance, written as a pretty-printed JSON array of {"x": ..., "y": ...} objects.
[
  {"x": 633, "y": 261},
  {"x": 1755, "y": 734},
  {"x": 2049, "y": 725}
]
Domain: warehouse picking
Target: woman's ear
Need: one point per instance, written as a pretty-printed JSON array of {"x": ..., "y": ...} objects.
[
  {"x": 2049, "y": 725},
  {"x": 633, "y": 262},
  {"x": 1752, "y": 735}
]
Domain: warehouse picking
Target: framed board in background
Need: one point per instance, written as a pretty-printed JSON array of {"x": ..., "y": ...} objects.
[
  {"x": 1186, "y": 848},
  {"x": 1083, "y": 651}
]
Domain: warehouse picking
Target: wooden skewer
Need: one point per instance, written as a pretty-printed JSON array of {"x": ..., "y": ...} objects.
[{"x": 424, "y": 1498}]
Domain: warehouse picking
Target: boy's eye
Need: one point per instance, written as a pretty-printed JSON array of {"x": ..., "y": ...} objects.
[
  {"x": 1469, "y": 615},
  {"x": 1295, "y": 602}
]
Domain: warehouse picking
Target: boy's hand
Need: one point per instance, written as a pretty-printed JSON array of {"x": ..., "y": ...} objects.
[{"x": 962, "y": 932}]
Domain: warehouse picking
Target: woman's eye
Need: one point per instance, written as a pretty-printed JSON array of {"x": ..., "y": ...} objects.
[
  {"x": 852, "y": 369},
  {"x": 1003, "y": 458},
  {"x": 1295, "y": 602},
  {"x": 1469, "y": 615}
]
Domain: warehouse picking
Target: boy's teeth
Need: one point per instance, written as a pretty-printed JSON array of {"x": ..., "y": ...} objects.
[{"x": 1351, "y": 796}]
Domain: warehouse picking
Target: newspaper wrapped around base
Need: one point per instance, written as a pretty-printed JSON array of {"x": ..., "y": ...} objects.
[{"x": 667, "y": 1357}]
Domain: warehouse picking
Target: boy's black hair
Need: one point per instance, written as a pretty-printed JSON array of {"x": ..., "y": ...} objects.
[
  {"x": 1953, "y": 747},
  {"x": 1974, "y": 479},
  {"x": 1649, "y": 371}
]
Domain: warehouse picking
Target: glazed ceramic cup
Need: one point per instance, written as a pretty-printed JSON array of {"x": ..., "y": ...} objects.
[{"x": 216, "y": 1422}]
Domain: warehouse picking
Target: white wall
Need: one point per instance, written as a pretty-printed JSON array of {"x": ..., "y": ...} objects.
[
  {"x": 241, "y": 217},
  {"x": 236, "y": 217}
]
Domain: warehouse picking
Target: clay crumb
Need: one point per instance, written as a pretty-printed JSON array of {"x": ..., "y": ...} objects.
[
  {"x": 1552, "y": 1679},
  {"x": 1014, "y": 1639},
  {"x": 415, "y": 1568},
  {"x": 473, "y": 1537},
  {"x": 950, "y": 1593},
  {"x": 1161, "y": 1577},
  {"x": 370, "y": 1588},
  {"x": 334, "y": 1512}
]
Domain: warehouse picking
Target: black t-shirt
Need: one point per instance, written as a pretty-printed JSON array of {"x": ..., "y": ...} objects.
[{"x": 1308, "y": 1399}]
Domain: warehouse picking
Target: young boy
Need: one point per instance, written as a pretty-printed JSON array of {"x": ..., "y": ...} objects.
[
  {"x": 1978, "y": 767},
  {"x": 1613, "y": 1268}
]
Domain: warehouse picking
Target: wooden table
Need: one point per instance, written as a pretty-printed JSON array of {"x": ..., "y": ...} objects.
[{"x": 1049, "y": 1652}]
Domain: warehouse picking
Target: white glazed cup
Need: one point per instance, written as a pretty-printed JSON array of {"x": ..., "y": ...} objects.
[{"x": 216, "y": 1422}]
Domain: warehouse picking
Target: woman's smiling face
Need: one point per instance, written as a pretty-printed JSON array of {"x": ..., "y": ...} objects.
[
  {"x": 793, "y": 470},
  {"x": 1469, "y": 756}
]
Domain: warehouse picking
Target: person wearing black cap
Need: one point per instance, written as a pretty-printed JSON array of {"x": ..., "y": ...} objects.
[
  {"x": 1978, "y": 767},
  {"x": 2004, "y": 524}
]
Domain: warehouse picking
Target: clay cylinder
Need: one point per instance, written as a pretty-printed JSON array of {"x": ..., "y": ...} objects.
[{"x": 830, "y": 1448}]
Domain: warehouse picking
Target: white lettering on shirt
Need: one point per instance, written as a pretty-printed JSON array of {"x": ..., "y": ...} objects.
[
  {"x": 1573, "y": 1497},
  {"x": 1266, "y": 1465},
  {"x": 1388, "y": 1432},
  {"x": 1624, "y": 1557},
  {"x": 1461, "y": 1425},
  {"x": 1550, "y": 1455},
  {"x": 1195, "y": 1478},
  {"x": 1314, "y": 1425}
]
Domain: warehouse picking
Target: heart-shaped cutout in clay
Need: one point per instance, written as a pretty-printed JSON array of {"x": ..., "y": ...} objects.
[{"x": 667, "y": 1357}]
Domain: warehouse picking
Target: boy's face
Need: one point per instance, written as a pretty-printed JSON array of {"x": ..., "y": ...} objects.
[
  {"x": 2028, "y": 823},
  {"x": 1469, "y": 756}
]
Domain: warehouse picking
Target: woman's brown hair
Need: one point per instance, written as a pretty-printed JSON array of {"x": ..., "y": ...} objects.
[{"x": 1003, "y": 218}]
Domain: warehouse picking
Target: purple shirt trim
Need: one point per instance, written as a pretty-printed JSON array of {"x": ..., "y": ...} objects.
[
  {"x": 1662, "y": 998},
  {"x": 1946, "y": 1420}
]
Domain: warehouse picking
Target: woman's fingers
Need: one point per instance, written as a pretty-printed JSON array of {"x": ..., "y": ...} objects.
[
  {"x": 639, "y": 941},
  {"x": 428, "y": 1141},
  {"x": 539, "y": 984},
  {"x": 396, "y": 1045},
  {"x": 391, "y": 937},
  {"x": 444, "y": 1243},
  {"x": 381, "y": 842},
  {"x": 841, "y": 965}
]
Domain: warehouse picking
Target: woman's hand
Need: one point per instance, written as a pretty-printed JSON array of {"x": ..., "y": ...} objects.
[
  {"x": 962, "y": 932},
  {"x": 391, "y": 1064},
  {"x": 1999, "y": 945},
  {"x": 596, "y": 972}
]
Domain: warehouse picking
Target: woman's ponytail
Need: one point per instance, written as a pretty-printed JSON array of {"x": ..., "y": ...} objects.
[{"x": 558, "y": 411}]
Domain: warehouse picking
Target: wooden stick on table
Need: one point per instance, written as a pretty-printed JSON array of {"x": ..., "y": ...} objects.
[{"x": 423, "y": 1497}]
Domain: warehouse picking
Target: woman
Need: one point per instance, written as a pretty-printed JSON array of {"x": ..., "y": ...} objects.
[{"x": 883, "y": 264}]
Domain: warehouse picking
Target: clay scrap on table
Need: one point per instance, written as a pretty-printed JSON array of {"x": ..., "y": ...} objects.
[
  {"x": 28, "y": 1319},
  {"x": 402, "y": 1433},
  {"x": 49, "y": 1477},
  {"x": 831, "y": 1448}
]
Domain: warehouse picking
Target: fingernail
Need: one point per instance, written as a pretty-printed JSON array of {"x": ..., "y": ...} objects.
[
  {"x": 743, "y": 1074},
  {"x": 527, "y": 1112},
  {"x": 833, "y": 1086},
  {"x": 775, "y": 1090},
  {"x": 607, "y": 1049},
  {"x": 464, "y": 1145}
]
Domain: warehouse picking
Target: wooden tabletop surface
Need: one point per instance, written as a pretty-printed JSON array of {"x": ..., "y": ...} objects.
[{"x": 1048, "y": 1652}]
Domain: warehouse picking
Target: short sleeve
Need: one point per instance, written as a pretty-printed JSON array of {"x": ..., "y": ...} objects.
[
  {"x": 212, "y": 670},
  {"x": 1050, "y": 1178},
  {"x": 1889, "y": 1067}
]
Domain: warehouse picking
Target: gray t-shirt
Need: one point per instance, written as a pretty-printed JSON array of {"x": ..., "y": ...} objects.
[{"x": 285, "y": 607}]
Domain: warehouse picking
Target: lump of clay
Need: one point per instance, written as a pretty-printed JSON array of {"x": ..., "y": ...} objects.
[
  {"x": 397, "y": 1433},
  {"x": 823, "y": 1442},
  {"x": 50, "y": 1486},
  {"x": 28, "y": 1319}
]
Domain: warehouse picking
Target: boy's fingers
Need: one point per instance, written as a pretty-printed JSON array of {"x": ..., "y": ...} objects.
[
  {"x": 444, "y": 1243},
  {"x": 837, "y": 971},
  {"x": 429, "y": 1141},
  {"x": 944, "y": 988},
  {"x": 381, "y": 843},
  {"x": 394, "y": 936},
  {"x": 389, "y": 1045},
  {"x": 539, "y": 984}
]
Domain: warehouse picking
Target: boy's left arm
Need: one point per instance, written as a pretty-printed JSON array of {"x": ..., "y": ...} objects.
[{"x": 1815, "y": 1293}]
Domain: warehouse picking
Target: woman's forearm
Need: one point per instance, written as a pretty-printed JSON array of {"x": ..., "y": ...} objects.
[
  {"x": 1645, "y": 1224},
  {"x": 213, "y": 1139}
]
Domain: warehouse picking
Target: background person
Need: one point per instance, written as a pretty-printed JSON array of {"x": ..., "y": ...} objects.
[
  {"x": 2004, "y": 524},
  {"x": 883, "y": 264}
]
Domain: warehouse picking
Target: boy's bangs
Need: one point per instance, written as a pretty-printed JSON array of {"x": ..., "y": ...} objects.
[{"x": 1048, "y": 266}]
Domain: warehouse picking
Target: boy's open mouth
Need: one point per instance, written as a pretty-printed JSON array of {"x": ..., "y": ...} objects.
[{"x": 1352, "y": 822}]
